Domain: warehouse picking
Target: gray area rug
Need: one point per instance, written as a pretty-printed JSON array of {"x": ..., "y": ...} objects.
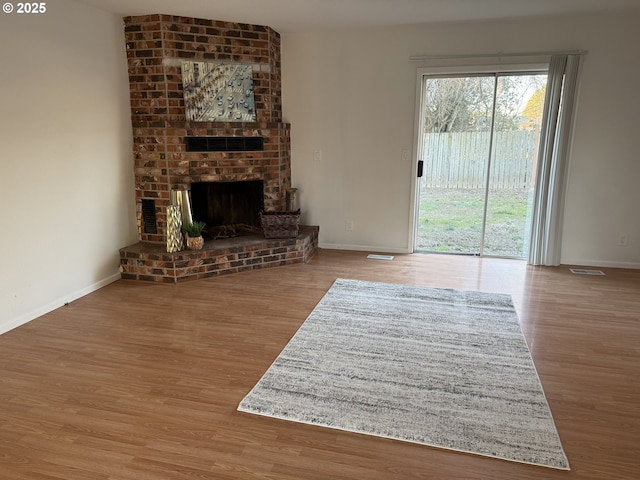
[{"x": 438, "y": 367}]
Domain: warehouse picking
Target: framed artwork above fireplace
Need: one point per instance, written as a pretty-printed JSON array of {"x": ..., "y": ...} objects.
[{"x": 218, "y": 92}]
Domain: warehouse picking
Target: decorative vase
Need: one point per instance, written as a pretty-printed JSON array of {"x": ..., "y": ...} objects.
[
  {"x": 291, "y": 199},
  {"x": 174, "y": 229},
  {"x": 195, "y": 243},
  {"x": 181, "y": 198}
]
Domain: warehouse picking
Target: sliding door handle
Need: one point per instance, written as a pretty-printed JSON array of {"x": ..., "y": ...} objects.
[{"x": 420, "y": 168}]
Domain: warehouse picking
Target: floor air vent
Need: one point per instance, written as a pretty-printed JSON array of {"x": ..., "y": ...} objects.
[
  {"x": 583, "y": 271},
  {"x": 380, "y": 257}
]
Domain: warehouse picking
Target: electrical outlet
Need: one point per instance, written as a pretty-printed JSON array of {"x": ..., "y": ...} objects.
[
  {"x": 348, "y": 225},
  {"x": 623, "y": 240}
]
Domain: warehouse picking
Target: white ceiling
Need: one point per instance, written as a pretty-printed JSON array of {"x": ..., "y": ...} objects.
[{"x": 301, "y": 15}]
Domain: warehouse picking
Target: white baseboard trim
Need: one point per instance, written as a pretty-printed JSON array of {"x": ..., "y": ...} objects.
[
  {"x": 38, "y": 312},
  {"x": 362, "y": 248},
  {"x": 600, "y": 263}
]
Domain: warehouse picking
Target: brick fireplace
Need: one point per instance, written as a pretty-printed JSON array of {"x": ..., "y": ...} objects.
[{"x": 157, "y": 45}]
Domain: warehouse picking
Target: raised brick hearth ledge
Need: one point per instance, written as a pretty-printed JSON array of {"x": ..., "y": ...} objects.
[{"x": 151, "y": 262}]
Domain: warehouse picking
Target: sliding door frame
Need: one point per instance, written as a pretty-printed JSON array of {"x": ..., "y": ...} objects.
[{"x": 531, "y": 66}]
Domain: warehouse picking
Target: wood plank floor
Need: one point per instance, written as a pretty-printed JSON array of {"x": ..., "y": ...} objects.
[{"x": 141, "y": 381}]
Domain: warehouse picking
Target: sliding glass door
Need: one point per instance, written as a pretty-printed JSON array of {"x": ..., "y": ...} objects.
[{"x": 477, "y": 146}]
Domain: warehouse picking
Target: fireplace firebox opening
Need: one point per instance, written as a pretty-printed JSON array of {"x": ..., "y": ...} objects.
[{"x": 229, "y": 209}]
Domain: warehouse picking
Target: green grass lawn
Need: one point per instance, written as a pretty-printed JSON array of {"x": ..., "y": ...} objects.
[{"x": 450, "y": 220}]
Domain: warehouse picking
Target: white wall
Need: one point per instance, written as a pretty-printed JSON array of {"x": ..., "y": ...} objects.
[
  {"x": 67, "y": 191},
  {"x": 351, "y": 95}
]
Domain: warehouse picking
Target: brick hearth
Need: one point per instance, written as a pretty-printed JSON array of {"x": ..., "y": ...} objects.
[{"x": 150, "y": 262}]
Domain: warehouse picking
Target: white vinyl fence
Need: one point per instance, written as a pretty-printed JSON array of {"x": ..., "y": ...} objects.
[{"x": 459, "y": 160}]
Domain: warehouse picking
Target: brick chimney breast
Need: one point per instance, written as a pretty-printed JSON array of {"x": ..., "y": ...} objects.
[{"x": 156, "y": 47}]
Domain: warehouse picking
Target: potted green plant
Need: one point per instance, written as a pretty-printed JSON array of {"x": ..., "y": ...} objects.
[{"x": 193, "y": 232}]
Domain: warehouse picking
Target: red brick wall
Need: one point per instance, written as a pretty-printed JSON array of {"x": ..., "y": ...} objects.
[{"x": 156, "y": 47}]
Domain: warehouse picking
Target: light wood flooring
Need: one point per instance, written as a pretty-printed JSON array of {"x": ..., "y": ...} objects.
[{"x": 141, "y": 381}]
